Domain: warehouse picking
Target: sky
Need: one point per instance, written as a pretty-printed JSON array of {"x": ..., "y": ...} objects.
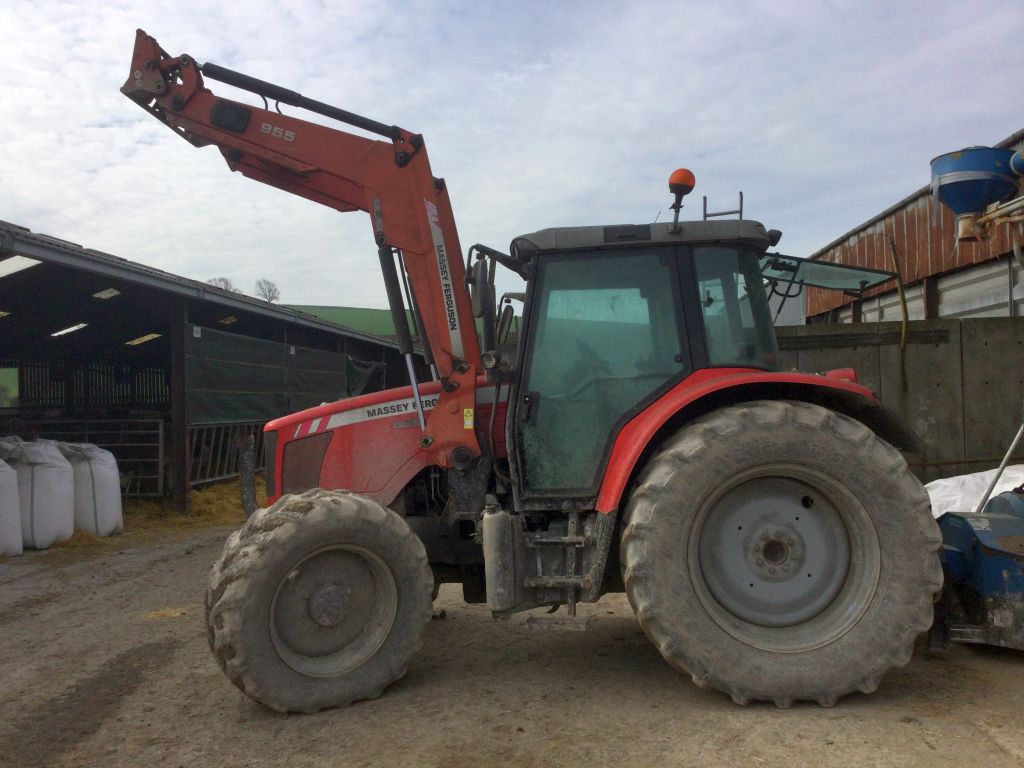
[{"x": 537, "y": 114}]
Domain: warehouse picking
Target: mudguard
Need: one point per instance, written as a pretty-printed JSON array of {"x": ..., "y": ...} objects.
[{"x": 712, "y": 388}]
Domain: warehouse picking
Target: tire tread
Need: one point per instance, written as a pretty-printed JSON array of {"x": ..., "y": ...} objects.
[
  {"x": 653, "y": 493},
  {"x": 228, "y": 594}
]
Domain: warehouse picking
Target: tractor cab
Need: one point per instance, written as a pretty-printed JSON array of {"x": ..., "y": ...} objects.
[{"x": 615, "y": 317}]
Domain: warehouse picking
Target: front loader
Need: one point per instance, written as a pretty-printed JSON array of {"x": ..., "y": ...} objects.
[{"x": 638, "y": 436}]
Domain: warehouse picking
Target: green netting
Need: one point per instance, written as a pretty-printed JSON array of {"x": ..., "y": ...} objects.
[
  {"x": 317, "y": 381},
  {"x": 220, "y": 345},
  {"x": 364, "y": 375},
  {"x": 318, "y": 360},
  {"x": 233, "y": 378},
  {"x": 231, "y": 407},
  {"x": 207, "y": 373}
]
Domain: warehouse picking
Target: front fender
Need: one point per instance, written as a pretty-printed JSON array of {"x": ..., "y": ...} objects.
[{"x": 713, "y": 388}]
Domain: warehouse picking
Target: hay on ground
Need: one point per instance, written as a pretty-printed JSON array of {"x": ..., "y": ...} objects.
[{"x": 213, "y": 505}]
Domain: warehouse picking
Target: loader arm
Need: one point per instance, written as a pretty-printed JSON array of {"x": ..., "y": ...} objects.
[{"x": 389, "y": 179}]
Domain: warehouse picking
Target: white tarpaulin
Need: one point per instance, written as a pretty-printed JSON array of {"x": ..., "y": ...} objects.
[{"x": 963, "y": 492}]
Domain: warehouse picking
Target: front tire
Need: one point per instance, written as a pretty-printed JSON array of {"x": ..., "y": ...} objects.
[
  {"x": 318, "y": 601},
  {"x": 781, "y": 551}
]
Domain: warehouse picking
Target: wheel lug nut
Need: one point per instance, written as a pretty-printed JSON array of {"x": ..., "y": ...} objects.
[
  {"x": 760, "y": 561},
  {"x": 764, "y": 537},
  {"x": 757, "y": 548}
]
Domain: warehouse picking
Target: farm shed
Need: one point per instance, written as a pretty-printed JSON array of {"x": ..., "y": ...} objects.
[{"x": 166, "y": 372}]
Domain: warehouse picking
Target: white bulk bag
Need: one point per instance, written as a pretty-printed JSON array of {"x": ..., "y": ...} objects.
[
  {"x": 45, "y": 490},
  {"x": 97, "y": 488},
  {"x": 10, "y": 512}
]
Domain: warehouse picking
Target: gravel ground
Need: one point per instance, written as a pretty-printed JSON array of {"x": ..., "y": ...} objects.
[{"x": 103, "y": 662}]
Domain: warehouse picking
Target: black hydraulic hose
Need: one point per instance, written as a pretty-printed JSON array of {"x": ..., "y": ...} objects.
[
  {"x": 488, "y": 330},
  {"x": 394, "y": 292},
  {"x": 277, "y": 93},
  {"x": 421, "y": 329}
]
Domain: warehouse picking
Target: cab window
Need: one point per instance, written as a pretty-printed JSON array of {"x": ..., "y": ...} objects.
[
  {"x": 605, "y": 337},
  {"x": 737, "y": 321}
]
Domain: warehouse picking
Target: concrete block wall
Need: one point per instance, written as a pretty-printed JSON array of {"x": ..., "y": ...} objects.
[{"x": 964, "y": 381}]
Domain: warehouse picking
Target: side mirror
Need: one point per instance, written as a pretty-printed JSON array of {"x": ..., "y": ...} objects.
[
  {"x": 479, "y": 287},
  {"x": 508, "y": 314},
  {"x": 482, "y": 295}
]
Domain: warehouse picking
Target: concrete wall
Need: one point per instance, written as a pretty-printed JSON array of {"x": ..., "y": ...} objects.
[{"x": 964, "y": 387}]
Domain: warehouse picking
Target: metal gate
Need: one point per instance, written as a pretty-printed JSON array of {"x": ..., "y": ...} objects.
[{"x": 214, "y": 449}]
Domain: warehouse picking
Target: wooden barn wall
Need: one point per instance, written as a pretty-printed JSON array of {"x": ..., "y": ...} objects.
[{"x": 924, "y": 234}]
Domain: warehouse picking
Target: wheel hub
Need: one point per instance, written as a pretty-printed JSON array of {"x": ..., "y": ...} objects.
[
  {"x": 773, "y": 552},
  {"x": 327, "y": 605},
  {"x": 333, "y": 610}
]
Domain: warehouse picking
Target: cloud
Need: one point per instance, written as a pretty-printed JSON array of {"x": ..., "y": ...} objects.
[{"x": 537, "y": 115}]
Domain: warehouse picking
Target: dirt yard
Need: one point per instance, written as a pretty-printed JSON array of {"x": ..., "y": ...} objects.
[{"x": 103, "y": 662}]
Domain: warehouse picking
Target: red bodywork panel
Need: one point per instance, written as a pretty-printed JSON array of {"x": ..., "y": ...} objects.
[
  {"x": 635, "y": 436},
  {"x": 376, "y": 449}
]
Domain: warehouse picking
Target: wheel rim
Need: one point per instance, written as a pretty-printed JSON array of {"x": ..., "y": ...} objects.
[
  {"x": 333, "y": 610},
  {"x": 784, "y": 558}
]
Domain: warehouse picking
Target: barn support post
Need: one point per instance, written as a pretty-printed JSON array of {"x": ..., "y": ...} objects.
[{"x": 180, "y": 454}]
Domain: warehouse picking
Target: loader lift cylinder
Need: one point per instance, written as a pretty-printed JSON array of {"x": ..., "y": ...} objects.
[
  {"x": 401, "y": 320},
  {"x": 286, "y": 96}
]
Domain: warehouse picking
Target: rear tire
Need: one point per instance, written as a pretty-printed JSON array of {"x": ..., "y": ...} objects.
[
  {"x": 318, "y": 601},
  {"x": 780, "y": 551}
]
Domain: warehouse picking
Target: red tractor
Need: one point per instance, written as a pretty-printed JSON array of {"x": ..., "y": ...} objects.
[{"x": 638, "y": 436}]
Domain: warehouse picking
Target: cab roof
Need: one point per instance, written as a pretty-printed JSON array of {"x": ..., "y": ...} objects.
[{"x": 735, "y": 231}]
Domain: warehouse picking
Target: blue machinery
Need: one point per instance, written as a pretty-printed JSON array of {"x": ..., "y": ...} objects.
[
  {"x": 982, "y": 600},
  {"x": 983, "y": 561},
  {"x": 979, "y": 185}
]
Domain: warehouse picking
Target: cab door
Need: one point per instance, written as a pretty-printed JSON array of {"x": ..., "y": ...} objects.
[{"x": 604, "y": 336}]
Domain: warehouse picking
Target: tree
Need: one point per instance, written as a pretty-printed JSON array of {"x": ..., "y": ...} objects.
[
  {"x": 224, "y": 283},
  {"x": 267, "y": 290}
]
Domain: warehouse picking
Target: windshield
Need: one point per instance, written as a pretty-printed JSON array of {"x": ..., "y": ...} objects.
[
  {"x": 779, "y": 268},
  {"x": 737, "y": 322}
]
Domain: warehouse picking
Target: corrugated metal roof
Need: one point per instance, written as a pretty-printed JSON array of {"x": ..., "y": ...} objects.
[
  {"x": 21, "y": 240},
  {"x": 923, "y": 231}
]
